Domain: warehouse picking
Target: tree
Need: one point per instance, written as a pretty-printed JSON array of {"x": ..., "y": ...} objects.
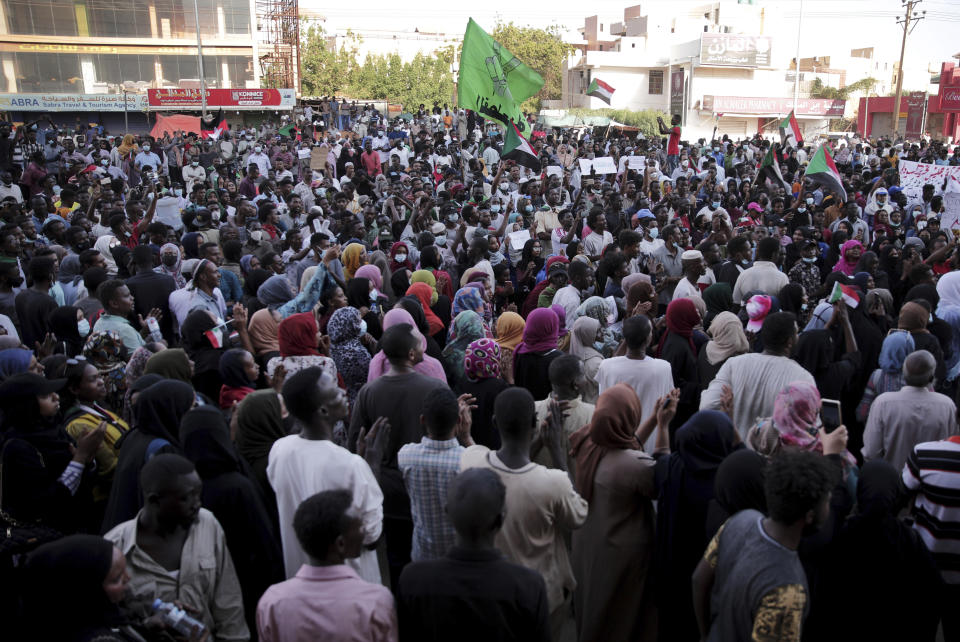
[
  {"x": 542, "y": 50},
  {"x": 645, "y": 121},
  {"x": 819, "y": 90},
  {"x": 325, "y": 71}
]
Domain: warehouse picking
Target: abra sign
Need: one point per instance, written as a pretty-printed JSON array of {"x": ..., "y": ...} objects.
[
  {"x": 950, "y": 99},
  {"x": 72, "y": 102}
]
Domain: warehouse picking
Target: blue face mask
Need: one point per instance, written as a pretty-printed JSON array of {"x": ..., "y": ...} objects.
[
  {"x": 495, "y": 209},
  {"x": 676, "y": 245},
  {"x": 373, "y": 294},
  {"x": 654, "y": 232},
  {"x": 83, "y": 327},
  {"x": 363, "y": 327},
  {"x": 528, "y": 208},
  {"x": 715, "y": 204},
  {"x": 803, "y": 307},
  {"x": 598, "y": 346},
  {"x": 810, "y": 259},
  {"x": 744, "y": 262}
]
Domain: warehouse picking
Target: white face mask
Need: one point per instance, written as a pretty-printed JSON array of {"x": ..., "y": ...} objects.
[
  {"x": 400, "y": 258},
  {"x": 83, "y": 327},
  {"x": 256, "y": 235},
  {"x": 258, "y": 149},
  {"x": 363, "y": 327}
]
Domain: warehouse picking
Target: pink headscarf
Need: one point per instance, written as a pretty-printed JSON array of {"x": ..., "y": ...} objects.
[
  {"x": 371, "y": 272},
  {"x": 843, "y": 265},
  {"x": 429, "y": 367}
]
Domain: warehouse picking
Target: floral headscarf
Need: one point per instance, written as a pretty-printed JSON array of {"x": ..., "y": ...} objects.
[
  {"x": 795, "y": 423},
  {"x": 481, "y": 359},
  {"x": 134, "y": 370},
  {"x": 465, "y": 329},
  {"x": 468, "y": 298},
  {"x": 347, "y": 351}
]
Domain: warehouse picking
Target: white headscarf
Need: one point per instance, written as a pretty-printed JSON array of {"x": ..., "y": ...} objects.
[
  {"x": 103, "y": 246},
  {"x": 582, "y": 337},
  {"x": 948, "y": 287}
]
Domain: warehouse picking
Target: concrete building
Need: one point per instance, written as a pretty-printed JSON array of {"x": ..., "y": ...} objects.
[
  {"x": 721, "y": 65},
  {"x": 99, "y": 46}
]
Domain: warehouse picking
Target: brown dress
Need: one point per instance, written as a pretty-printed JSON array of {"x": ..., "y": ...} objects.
[{"x": 612, "y": 552}]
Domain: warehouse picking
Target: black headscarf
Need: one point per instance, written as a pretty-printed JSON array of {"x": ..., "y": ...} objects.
[
  {"x": 206, "y": 442},
  {"x": 254, "y": 279},
  {"x": 232, "y": 371},
  {"x": 926, "y": 292},
  {"x": 400, "y": 282},
  {"x": 259, "y": 424},
  {"x": 358, "y": 292},
  {"x": 63, "y": 322},
  {"x": 791, "y": 298},
  {"x": 814, "y": 351},
  {"x": 193, "y": 331},
  {"x": 685, "y": 485},
  {"x": 737, "y": 486},
  {"x": 69, "y": 574},
  {"x": 852, "y": 580},
  {"x": 160, "y": 408}
]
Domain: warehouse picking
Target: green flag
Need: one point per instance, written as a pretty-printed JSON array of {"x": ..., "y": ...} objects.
[{"x": 493, "y": 82}]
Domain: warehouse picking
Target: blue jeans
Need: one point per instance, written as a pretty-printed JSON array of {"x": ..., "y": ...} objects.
[{"x": 673, "y": 162}]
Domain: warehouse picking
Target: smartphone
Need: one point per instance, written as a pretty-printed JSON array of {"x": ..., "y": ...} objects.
[{"x": 830, "y": 414}]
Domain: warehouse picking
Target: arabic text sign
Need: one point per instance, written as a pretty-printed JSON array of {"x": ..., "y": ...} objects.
[
  {"x": 950, "y": 98},
  {"x": 179, "y": 98},
  {"x": 914, "y": 175},
  {"x": 734, "y": 50},
  {"x": 71, "y": 102},
  {"x": 676, "y": 91},
  {"x": 773, "y": 105}
]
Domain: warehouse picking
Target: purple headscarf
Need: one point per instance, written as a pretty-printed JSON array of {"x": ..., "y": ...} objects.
[{"x": 540, "y": 332}]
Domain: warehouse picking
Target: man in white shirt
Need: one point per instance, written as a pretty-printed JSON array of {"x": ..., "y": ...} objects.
[
  {"x": 193, "y": 173},
  {"x": 598, "y": 238},
  {"x": 202, "y": 292},
  {"x": 756, "y": 379},
  {"x": 490, "y": 156},
  {"x": 764, "y": 276},
  {"x": 308, "y": 462},
  {"x": 9, "y": 188},
  {"x": 570, "y": 296},
  {"x": 693, "y": 269},
  {"x": 650, "y": 378},
  {"x": 259, "y": 158}
]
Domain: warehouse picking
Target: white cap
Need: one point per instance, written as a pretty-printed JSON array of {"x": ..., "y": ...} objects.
[{"x": 691, "y": 255}]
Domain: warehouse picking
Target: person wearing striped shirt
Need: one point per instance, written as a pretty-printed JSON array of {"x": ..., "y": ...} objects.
[{"x": 932, "y": 472}]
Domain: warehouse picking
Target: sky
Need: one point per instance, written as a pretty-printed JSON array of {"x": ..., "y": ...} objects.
[{"x": 828, "y": 25}]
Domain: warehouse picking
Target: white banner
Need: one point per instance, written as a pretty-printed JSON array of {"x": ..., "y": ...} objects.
[
  {"x": 914, "y": 175},
  {"x": 602, "y": 165},
  {"x": 71, "y": 102}
]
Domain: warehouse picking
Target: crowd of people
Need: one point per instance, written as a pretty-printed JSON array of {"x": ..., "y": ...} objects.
[{"x": 353, "y": 378}]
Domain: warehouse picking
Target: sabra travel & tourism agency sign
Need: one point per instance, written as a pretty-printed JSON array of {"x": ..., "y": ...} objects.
[
  {"x": 72, "y": 102},
  {"x": 181, "y": 98}
]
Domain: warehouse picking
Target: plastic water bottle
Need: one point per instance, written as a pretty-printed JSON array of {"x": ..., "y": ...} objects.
[
  {"x": 178, "y": 619},
  {"x": 154, "y": 329}
]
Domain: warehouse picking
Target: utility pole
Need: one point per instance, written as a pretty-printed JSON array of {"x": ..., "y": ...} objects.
[
  {"x": 908, "y": 18},
  {"x": 796, "y": 67}
]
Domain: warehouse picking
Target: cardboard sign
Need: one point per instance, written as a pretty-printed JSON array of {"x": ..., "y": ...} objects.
[
  {"x": 554, "y": 170},
  {"x": 604, "y": 165},
  {"x": 914, "y": 175},
  {"x": 636, "y": 162}
]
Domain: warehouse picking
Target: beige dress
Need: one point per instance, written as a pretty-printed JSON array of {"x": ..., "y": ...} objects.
[{"x": 613, "y": 549}]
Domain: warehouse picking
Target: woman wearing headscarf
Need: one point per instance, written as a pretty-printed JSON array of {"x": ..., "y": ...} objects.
[
  {"x": 105, "y": 350},
  {"x": 274, "y": 292},
  {"x": 467, "y": 327},
  {"x": 373, "y": 274},
  {"x": 510, "y": 327},
  {"x": 172, "y": 268},
  {"x": 400, "y": 257},
  {"x": 599, "y": 309},
  {"x": 738, "y": 485},
  {"x": 870, "y": 264},
  {"x": 948, "y": 287},
  {"x": 347, "y": 349},
  {"x": 239, "y": 373},
  {"x": 793, "y": 299},
  {"x": 481, "y": 366},
  {"x": 678, "y": 349},
  {"x": 172, "y": 363},
  {"x": 136, "y": 368},
  {"x": 231, "y": 495},
  {"x": 263, "y": 328},
  {"x": 248, "y": 263},
  {"x": 431, "y": 261},
  {"x": 685, "y": 485},
  {"x": 362, "y": 296},
  {"x": 67, "y": 322},
  {"x": 878, "y": 306},
  {"x": 299, "y": 338},
  {"x": 259, "y": 424},
  {"x": 815, "y": 351},
  {"x": 191, "y": 244},
  {"x": 203, "y": 352},
  {"x": 906, "y": 587},
  {"x": 251, "y": 285},
  {"x": 719, "y": 298},
  {"x": 531, "y": 359},
  {"x": 889, "y": 376},
  {"x": 103, "y": 245},
  {"x": 352, "y": 257},
  {"x": 157, "y": 414},
  {"x": 849, "y": 257},
  {"x": 583, "y": 339},
  {"x": 34, "y": 455},
  {"x": 426, "y": 296},
  {"x": 727, "y": 339},
  {"x": 84, "y": 575},
  {"x": 430, "y": 366},
  {"x": 613, "y": 550}
]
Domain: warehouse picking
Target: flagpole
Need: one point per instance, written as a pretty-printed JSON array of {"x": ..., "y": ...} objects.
[{"x": 796, "y": 75}]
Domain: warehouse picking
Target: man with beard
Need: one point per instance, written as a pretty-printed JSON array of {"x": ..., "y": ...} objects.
[
  {"x": 750, "y": 583},
  {"x": 176, "y": 550}
]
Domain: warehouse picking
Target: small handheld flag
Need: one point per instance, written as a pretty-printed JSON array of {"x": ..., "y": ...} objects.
[
  {"x": 790, "y": 135},
  {"x": 845, "y": 293}
]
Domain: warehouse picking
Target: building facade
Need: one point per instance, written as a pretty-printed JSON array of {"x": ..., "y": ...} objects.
[{"x": 106, "y": 46}]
